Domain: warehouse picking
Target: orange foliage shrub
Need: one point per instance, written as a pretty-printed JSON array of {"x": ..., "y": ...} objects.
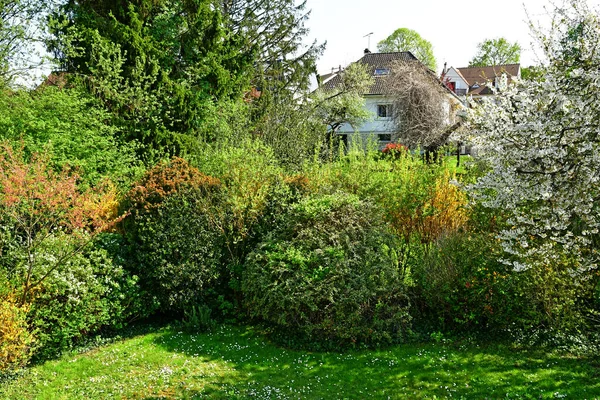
[
  {"x": 38, "y": 202},
  {"x": 166, "y": 179}
]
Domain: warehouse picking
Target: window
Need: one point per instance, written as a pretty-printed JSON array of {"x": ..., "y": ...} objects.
[
  {"x": 384, "y": 110},
  {"x": 385, "y": 137},
  {"x": 381, "y": 71}
]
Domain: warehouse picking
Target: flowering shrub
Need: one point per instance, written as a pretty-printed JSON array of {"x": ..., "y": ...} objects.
[
  {"x": 394, "y": 150},
  {"x": 38, "y": 203}
]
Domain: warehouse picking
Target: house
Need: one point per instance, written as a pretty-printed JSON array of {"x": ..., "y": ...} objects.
[
  {"x": 382, "y": 126},
  {"x": 479, "y": 81}
]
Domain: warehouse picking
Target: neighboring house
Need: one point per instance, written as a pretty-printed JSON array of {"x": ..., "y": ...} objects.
[
  {"x": 479, "y": 81},
  {"x": 381, "y": 126}
]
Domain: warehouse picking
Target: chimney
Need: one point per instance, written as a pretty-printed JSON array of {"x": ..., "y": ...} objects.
[
  {"x": 367, "y": 51},
  {"x": 340, "y": 68}
]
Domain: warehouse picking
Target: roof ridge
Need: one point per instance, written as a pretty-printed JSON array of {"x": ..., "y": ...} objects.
[{"x": 490, "y": 66}]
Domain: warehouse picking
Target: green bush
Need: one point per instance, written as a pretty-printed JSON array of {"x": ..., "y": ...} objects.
[
  {"x": 177, "y": 252},
  {"x": 73, "y": 129},
  {"x": 88, "y": 293},
  {"x": 329, "y": 272},
  {"x": 459, "y": 285},
  {"x": 176, "y": 246},
  {"x": 16, "y": 340}
]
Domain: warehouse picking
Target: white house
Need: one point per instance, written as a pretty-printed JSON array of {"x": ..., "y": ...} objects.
[
  {"x": 381, "y": 127},
  {"x": 478, "y": 81}
]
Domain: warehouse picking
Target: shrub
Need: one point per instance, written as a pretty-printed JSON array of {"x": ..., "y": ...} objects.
[
  {"x": 254, "y": 191},
  {"x": 394, "y": 150},
  {"x": 418, "y": 200},
  {"x": 16, "y": 341},
  {"x": 460, "y": 285},
  {"x": 329, "y": 272},
  {"x": 72, "y": 129},
  {"x": 88, "y": 293},
  {"x": 37, "y": 204},
  {"x": 176, "y": 246}
]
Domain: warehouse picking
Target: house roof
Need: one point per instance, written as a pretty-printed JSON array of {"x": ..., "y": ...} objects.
[
  {"x": 375, "y": 61},
  {"x": 482, "y": 75}
]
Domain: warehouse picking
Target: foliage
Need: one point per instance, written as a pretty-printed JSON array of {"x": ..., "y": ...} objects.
[
  {"x": 533, "y": 72},
  {"x": 496, "y": 52},
  {"x": 253, "y": 191},
  {"x": 175, "y": 248},
  {"x": 16, "y": 341},
  {"x": 197, "y": 319},
  {"x": 329, "y": 271},
  {"x": 38, "y": 204},
  {"x": 540, "y": 143},
  {"x": 460, "y": 286},
  {"x": 344, "y": 103},
  {"x": 20, "y": 32},
  {"x": 418, "y": 200},
  {"x": 422, "y": 106},
  {"x": 305, "y": 128},
  {"x": 275, "y": 30},
  {"x": 404, "y": 39},
  {"x": 160, "y": 67},
  {"x": 69, "y": 126},
  {"x": 89, "y": 292},
  {"x": 394, "y": 150}
]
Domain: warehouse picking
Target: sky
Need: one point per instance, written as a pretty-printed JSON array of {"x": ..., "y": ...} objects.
[{"x": 453, "y": 28}]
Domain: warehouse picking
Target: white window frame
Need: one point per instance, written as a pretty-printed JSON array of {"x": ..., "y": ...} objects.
[{"x": 388, "y": 113}]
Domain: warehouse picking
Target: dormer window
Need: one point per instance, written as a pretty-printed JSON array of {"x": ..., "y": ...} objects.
[{"x": 381, "y": 71}]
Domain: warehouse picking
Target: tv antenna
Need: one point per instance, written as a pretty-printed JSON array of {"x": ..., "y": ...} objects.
[{"x": 369, "y": 36}]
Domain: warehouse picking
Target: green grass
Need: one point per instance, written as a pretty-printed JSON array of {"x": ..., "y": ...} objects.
[{"x": 233, "y": 363}]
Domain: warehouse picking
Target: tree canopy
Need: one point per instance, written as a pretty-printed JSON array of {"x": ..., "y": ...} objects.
[
  {"x": 496, "y": 52},
  {"x": 404, "y": 39},
  {"x": 157, "y": 65}
]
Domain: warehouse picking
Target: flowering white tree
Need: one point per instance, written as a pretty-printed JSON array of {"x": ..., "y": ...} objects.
[{"x": 541, "y": 141}]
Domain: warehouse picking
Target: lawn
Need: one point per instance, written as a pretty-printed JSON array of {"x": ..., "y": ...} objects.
[{"x": 237, "y": 362}]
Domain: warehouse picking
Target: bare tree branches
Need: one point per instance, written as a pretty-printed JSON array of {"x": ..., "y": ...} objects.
[{"x": 421, "y": 108}]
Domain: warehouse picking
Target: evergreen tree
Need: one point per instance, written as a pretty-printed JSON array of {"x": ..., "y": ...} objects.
[
  {"x": 275, "y": 30},
  {"x": 160, "y": 66}
]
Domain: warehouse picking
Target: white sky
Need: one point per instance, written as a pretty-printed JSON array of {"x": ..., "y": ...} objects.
[{"x": 453, "y": 28}]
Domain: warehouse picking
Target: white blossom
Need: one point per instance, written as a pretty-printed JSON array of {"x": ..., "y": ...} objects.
[{"x": 541, "y": 140}]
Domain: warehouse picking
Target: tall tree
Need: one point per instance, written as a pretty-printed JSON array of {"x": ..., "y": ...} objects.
[
  {"x": 496, "y": 52},
  {"x": 276, "y": 30},
  {"x": 159, "y": 65},
  {"x": 405, "y": 39}
]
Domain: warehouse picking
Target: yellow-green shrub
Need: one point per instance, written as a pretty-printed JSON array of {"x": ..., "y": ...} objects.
[{"x": 16, "y": 342}]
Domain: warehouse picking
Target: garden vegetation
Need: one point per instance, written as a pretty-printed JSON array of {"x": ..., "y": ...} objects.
[{"x": 179, "y": 173}]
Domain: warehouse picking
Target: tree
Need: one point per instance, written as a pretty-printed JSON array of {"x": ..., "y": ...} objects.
[
  {"x": 421, "y": 108},
  {"x": 405, "y": 39},
  {"x": 541, "y": 143},
  {"x": 273, "y": 30},
  {"x": 496, "y": 52},
  {"x": 344, "y": 103},
  {"x": 20, "y": 31},
  {"x": 158, "y": 66}
]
